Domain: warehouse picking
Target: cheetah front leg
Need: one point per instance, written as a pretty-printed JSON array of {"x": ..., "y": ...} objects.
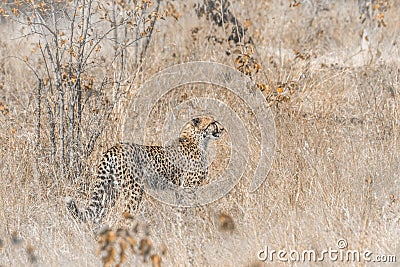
[{"x": 133, "y": 192}]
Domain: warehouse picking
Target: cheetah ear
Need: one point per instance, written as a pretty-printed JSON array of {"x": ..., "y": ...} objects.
[{"x": 196, "y": 121}]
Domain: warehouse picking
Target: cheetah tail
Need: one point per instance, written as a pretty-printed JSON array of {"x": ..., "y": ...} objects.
[{"x": 73, "y": 209}]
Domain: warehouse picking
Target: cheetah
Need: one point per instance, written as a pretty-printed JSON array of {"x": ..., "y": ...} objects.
[{"x": 124, "y": 168}]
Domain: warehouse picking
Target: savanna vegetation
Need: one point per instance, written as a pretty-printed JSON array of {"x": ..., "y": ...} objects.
[{"x": 329, "y": 72}]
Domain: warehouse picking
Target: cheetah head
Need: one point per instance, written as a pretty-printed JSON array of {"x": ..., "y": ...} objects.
[{"x": 202, "y": 129}]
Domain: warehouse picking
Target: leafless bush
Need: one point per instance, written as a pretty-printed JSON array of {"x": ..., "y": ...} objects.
[{"x": 77, "y": 41}]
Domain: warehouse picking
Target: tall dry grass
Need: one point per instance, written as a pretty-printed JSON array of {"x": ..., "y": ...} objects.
[{"x": 336, "y": 168}]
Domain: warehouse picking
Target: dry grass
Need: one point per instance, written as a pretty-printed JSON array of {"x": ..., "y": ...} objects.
[{"x": 336, "y": 168}]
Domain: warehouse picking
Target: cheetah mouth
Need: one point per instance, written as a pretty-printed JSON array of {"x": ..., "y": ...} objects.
[{"x": 217, "y": 134}]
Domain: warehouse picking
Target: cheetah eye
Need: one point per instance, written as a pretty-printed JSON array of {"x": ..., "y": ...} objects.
[{"x": 196, "y": 121}]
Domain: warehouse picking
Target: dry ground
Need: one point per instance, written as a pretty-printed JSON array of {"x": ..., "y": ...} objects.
[{"x": 337, "y": 163}]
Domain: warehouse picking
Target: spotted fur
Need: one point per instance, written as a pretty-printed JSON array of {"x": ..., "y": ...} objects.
[{"x": 124, "y": 167}]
